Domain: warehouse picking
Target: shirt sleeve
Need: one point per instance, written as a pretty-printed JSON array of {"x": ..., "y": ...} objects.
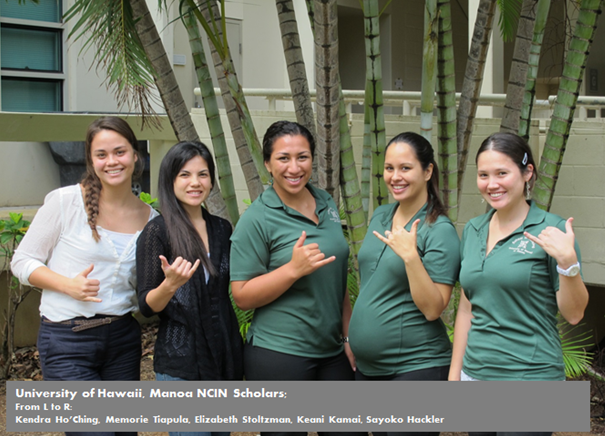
[
  {"x": 250, "y": 252},
  {"x": 441, "y": 256},
  {"x": 41, "y": 238},
  {"x": 150, "y": 275}
]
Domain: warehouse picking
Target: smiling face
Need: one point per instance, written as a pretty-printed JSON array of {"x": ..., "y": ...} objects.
[
  {"x": 500, "y": 181},
  {"x": 192, "y": 184},
  {"x": 290, "y": 164},
  {"x": 404, "y": 176},
  {"x": 113, "y": 158}
]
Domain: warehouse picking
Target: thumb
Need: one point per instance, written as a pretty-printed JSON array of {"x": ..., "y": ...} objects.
[
  {"x": 87, "y": 270},
  {"x": 414, "y": 228},
  {"x": 568, "y": 227},
  {"x": 301, "y": 240},
  {"x": 164, "y": 261}
]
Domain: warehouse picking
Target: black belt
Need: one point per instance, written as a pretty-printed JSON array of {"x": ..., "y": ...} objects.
[{"x": 85, "y": 324}]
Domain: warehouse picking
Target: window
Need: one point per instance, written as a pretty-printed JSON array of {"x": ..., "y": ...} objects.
[{"x": 31, "y": 56}]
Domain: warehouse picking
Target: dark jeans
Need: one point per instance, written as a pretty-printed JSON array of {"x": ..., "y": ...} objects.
[
  {"x": 263, "y": 364},
  {"x": 438, "y": 373},
  {"x": 166, "y": 377},
  {"x": 107, "y": 352}
]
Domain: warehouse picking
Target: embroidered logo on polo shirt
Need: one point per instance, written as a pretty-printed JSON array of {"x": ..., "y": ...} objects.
[
  {"x": 522, "y": 245},
  {"x": 333, "y": 215}
]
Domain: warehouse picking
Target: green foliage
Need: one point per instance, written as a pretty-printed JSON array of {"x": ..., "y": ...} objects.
[
  {"x": 153, "y": 202},
  {"x": 12, "y": 231},
  {"x": 577, "y": 360},
  {"x": 510, "y": 10},
  {"x": 110, "y": 28}
]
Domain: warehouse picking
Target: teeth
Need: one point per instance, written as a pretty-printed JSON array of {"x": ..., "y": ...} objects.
[
  {"x": 496, "y": 195},
  {"x": 114, "y": 171},
  {"x": 293, "y": 180}
]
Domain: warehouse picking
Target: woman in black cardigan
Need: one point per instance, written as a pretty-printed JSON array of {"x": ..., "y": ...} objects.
[{"x": 183, "y": 274}]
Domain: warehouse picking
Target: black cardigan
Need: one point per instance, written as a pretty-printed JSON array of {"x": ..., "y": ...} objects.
[{"x": 198, "y": 337}]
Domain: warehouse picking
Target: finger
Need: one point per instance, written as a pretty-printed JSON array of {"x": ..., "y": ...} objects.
[
  {"x": 194, "y": 268},
  {"x": 533, "y": 238},
  {"x": 301, "y": 240},
  {"x": 568, "y": 226},
  {"x": 379, "y": 236},
  {"x": 165, "y": 263},
  {"x": 94, "y": 285},
  {"x": 414, "y": 228},
  {"x": 93, "y": 299},
  {"x": 87, "y": 270},
  {"x": 325, "y": 261}
]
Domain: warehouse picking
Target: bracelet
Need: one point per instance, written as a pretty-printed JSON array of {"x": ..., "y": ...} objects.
[{"x": 344, "y": 339}]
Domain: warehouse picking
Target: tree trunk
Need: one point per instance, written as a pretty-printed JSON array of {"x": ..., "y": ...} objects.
[
  {"x": 327, "y": 85},
  {"x": 569, "y": 88},
  {"x": 297, "y": 73},
  {"x": 542, "y": 10},
  {"x": 519, "y": 67},
  {"x": 429, "y": 67},
  {"x": 471, "y": 87},
  {"x": 446, "y": 112},
  {"x": 169, "y": 90},
  {"x": 213, "y": 117},
  {"x": 244, "y": 150},
  {"x": 373, "y": 99}
]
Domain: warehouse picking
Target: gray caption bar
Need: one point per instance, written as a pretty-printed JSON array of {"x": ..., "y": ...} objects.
[{"x": 512, "y": 406}]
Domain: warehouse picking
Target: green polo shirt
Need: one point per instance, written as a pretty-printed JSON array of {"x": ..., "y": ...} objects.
[
  {"x": 512, "y": 290},
  {"x": 389, "y": 335},
  {"x": 306, "y": 320}
]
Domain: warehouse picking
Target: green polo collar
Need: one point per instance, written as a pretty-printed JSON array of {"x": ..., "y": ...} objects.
[
  {"x": 534, "y": 216},
  {"x": 387, "y": 218},
  {"x": 272, "y": 200}
]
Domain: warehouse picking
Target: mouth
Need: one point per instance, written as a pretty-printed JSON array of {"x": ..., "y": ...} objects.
[
  {"x": 294, "y": 180},
  {"x": 495, "y": 195},
  {"x": 114, "y": 172},
  {"x": 398, "y": 188},
  {"x": 195, "y": 193}
]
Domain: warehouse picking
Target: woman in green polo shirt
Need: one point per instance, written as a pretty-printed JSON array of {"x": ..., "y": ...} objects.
[
  {"x": 520, "y": 265},
  {"x": 289, "y": 263},
  {"x": 408, "y": 264}
]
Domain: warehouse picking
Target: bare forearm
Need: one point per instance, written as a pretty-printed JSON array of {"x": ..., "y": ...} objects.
[
  {"x": 45, "y": 278},
  {"x": 264, "y": 289},
  {"x": 461, "y": 327},
  {"x": 572, "y": 298},
  {"x": 430, "y": 298},
  {"x": 157, "y": 299}
]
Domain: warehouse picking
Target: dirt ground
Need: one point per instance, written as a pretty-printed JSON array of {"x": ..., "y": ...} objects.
[{"x": 26, "y": 367}]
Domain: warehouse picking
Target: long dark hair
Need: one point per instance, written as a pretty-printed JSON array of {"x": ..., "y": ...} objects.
[
  {"x": 517, "y": 149},
  {"x": 426, "y": 156},
  {"x": 183, "y": 238},
  {"x": 90, "y": 182},
  {"x": 284, "y": 128}
]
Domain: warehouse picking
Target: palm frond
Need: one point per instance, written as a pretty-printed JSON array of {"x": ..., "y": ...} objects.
[
  {"x": 109, "y": 28},
  {"x": 575, "y": 357},
  {"x": 510, "y": 10}
]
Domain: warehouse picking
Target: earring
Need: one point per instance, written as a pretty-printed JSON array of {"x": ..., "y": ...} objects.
[
  {"x": 482, "y": 200},
  {"x": 527, "y": 191}
]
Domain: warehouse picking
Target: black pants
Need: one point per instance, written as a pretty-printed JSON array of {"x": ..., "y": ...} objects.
[
  {"x": 438, "y": 373},
  {"x": 263, "y": 364}
]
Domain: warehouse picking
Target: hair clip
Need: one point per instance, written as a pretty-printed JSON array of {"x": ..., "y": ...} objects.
[{"x": 524, "y": 161}]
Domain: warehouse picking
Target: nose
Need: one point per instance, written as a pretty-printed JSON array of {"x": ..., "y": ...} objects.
[
  {"x": 492, "y": 182},
  {"x": 293, "y": 166},
  {"x": 111, "y": 159}
]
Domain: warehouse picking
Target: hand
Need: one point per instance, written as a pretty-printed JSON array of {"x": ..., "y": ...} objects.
[
  {"x": 84, "y": 289},
  {"x": 557, "y": 244},
  {"x": 402, "y": 242},
  {"x": 308, "y": 258},
  {"x": 179, "y": 272},
  {"x": 350, "y": 356}
]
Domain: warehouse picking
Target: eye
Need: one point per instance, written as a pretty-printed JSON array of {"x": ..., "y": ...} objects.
[
  {"x": 502, "y": 173},
  {"x": 482, "y": 176},
  {"x": 100, "y": 155},
  {"x": 405, "y": 168},
  {"x": 120, "y": 152},
  {"x": 283, "y": 159},
  {"x": 388, "y": 168}
]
